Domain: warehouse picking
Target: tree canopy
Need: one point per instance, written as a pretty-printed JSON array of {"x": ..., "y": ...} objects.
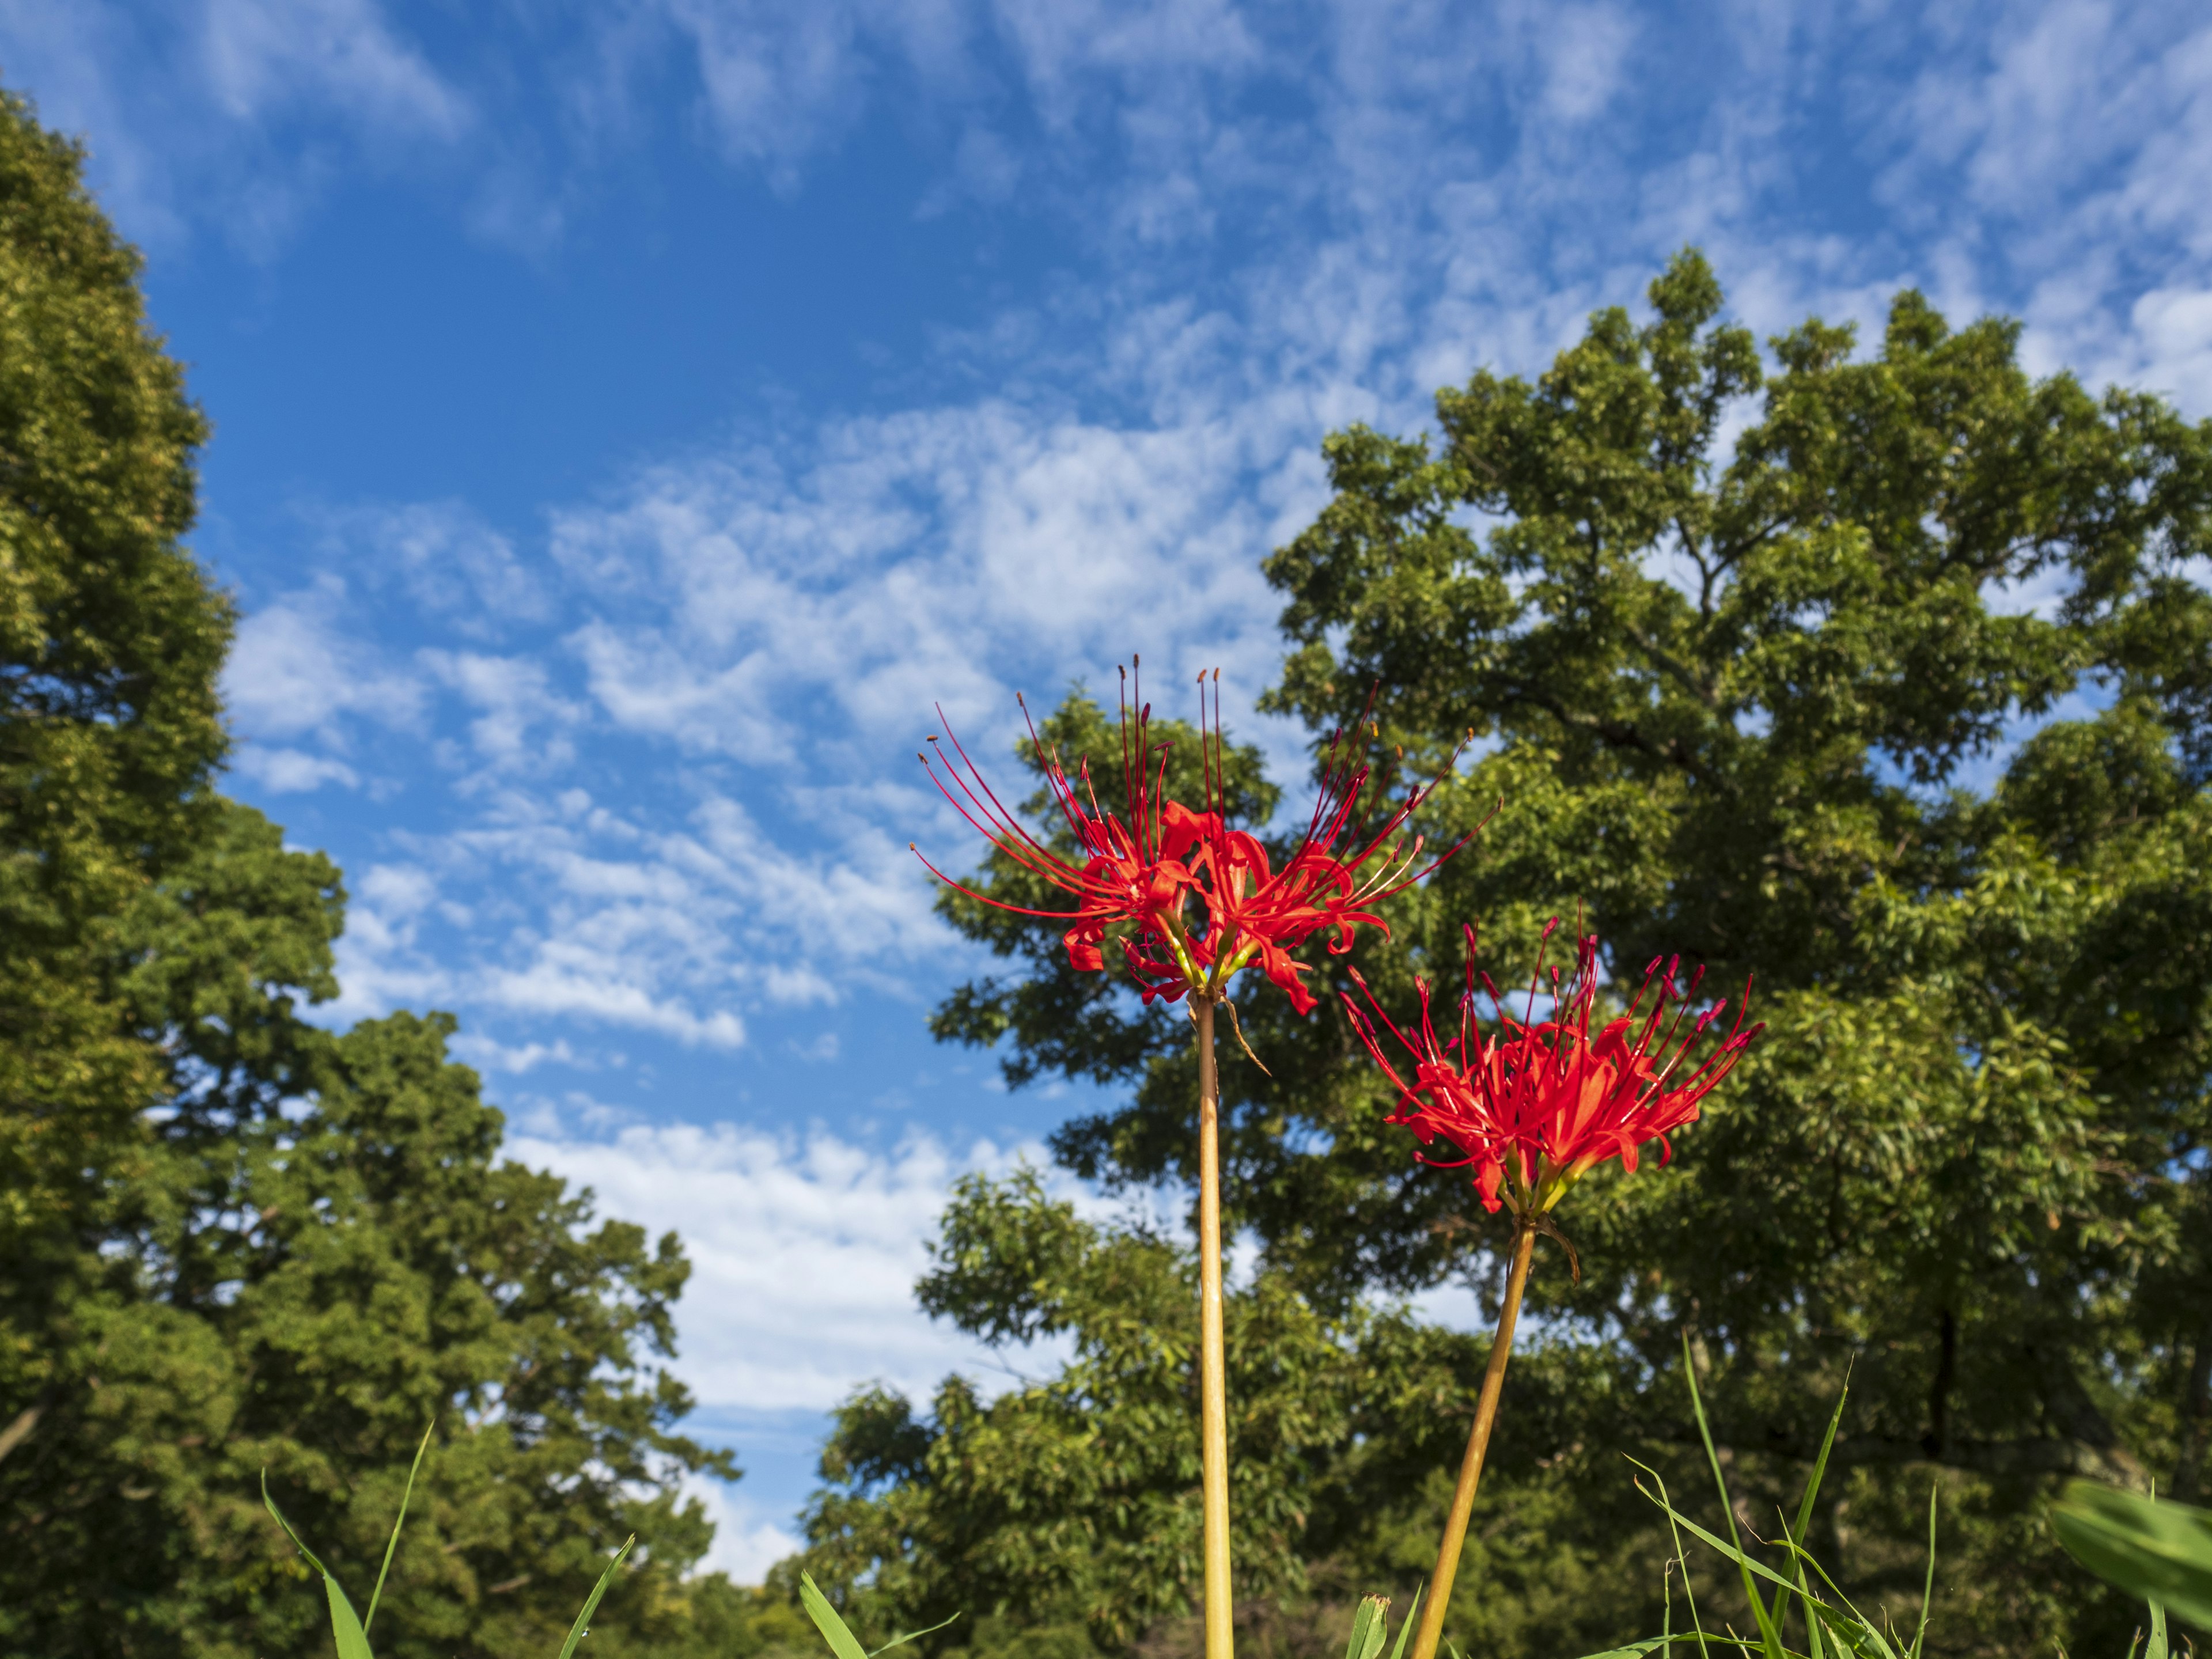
[
  {"x": 234, "y": 1240},
  {"x": 1881, "y": 676}
]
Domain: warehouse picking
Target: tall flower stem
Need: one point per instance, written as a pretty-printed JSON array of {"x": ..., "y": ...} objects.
[
  {"x": 1478, "y": 1442},
  {"x": 1212, "y": 1385}
]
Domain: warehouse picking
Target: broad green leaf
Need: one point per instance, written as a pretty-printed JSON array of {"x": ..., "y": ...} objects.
[
  {"x": 2157, "y": 1552},
  {"x": 591, "y": 1602},
  {"x": 1370, "y": 1624},
  {"x": 841, "y": 1641}
]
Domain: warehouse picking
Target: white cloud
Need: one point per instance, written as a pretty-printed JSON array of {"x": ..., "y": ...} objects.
[
  {"x": 487, "y": 1054},
  {"x": 2175, "y": 326},
  {"x": 289, "y": 771},
  {"x": 804, "y": 1253},
  {"x": 929, "y": 556},
  {"x": 746, "y": 1543},
  {"x": 454, "y": 564},
  {"x": 512, "y": 695},
  {"x": 231, "y": 114},
  {"x": 298, "y": 667}
]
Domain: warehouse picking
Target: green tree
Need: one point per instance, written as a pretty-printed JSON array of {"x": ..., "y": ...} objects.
[
  {"x": 1064, "y": 1512},
  {"x": 110, "y": 639},
  {"x": 1755, "y": 701},
  {"x": 234, "y": 1240}
]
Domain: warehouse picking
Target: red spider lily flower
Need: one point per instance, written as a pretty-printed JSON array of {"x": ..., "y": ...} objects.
[
  {"x": 1535, "y": 1107},
  {"x": 1202, "y": 901}
]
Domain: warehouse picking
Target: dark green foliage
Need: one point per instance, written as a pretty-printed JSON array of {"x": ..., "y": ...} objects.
[
  {"x": 318, "y": 1251},
  {"x": 1739, "y": 703}
]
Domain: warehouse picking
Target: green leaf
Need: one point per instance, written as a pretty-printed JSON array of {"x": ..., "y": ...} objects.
[
  {"x": 2161, "y": 1552},
  {"x": 1927, "y": 1589},
  {"x": 1652, "y": 1645},
  {"x": 841, "y": 1641},
  {"x": 345, "y": 1627},
  {"x": 591, "y": 1602},
  {"x": 1770, "y": 1638},
  {"x": 406, "y": 1492},
  {"x": 1370, "y": 1625},
  {"x": 1796, "y": 1533},
  {"x": 1405, "y": 1628}
]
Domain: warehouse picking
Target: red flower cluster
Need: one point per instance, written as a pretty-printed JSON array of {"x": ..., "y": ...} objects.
[
  {"x": 1535, "y": 1107},
  {"x": 1201, "y": 901}
]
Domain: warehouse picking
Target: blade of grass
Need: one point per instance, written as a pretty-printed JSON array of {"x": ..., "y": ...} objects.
[
  {"x": 1681, "y": 1560},
  {"x": 591, "y": 1603},
  {"x": 1796, "y": 1534},
  {"x": 1928, "y": 1590},
  {"x": 408, "y": 1492},
  {"x": 841, "y": 1641},
  {"x": 1865, "y": 1636},
  {"x": 1769, "y": 1637},
  {"x": 1711, "y": 1540},
  {"x": 345, "y": 1627},
  {"x": 1803, "y": 1591},
  {"x": 1405, "y": 1628},
  {"x": 901, "y": 1641},
  {"x": 1654, "y": 1643},
  {"x": 1821, "y": 1463},
  {"x": 1858, "y": 1633}
]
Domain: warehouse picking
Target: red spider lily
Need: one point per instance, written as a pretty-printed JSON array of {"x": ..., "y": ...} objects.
[
  {"x": 1534, "y": 1109},
  {"x": 1150, "y": 865}
]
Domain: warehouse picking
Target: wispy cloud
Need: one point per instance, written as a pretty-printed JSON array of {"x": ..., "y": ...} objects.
[{"x": 229, "y": 115}]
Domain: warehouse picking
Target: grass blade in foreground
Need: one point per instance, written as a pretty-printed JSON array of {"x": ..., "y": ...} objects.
[
  {"x": 407, "y": 1492},
  {"x": 591, "y": 1605},
  {"x": 345, "y": 1624},
  {"x": 841, "y": 1641},
  {"x": 912, "y": 1635}
]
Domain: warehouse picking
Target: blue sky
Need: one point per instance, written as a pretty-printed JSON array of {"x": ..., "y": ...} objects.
[{"x": 631, "y": 418}]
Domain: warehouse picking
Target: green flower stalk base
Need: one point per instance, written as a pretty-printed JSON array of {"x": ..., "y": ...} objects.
[
  {"x": 1478, "y": 1442},
  {"x": 1212, "y": 1353}
]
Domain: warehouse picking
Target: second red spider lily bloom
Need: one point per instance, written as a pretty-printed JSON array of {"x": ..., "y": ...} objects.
[
  {"x": 1532, "y": 1109},
  {"x": 1535, "y": 1106}
]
